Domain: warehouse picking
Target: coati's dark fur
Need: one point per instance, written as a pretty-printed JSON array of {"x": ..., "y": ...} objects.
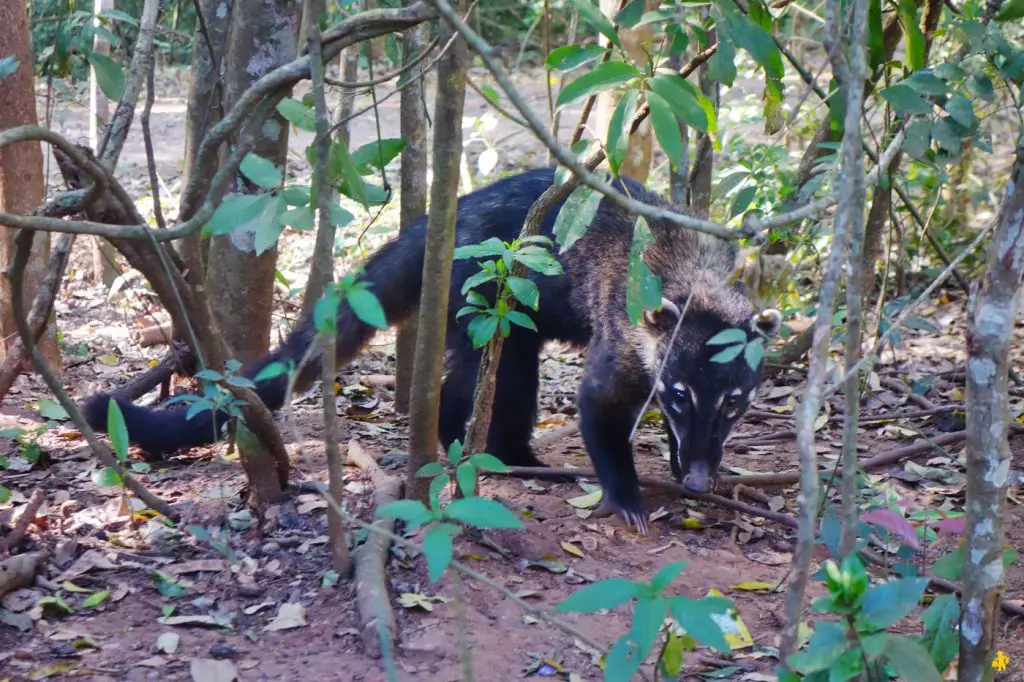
[{"x": 586, "y": 306}]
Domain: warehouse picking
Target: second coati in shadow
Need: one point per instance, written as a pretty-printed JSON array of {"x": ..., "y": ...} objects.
[{"x": 586, "y": 307}]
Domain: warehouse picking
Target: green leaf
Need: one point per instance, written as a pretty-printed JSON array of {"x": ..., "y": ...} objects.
[
  {"x": 602, "y": 77},
  {"x": 51, "y": 409},
  {"x": 343, "y": 170},
  {"x": 298, "y": 218},
  {"x": 904, "y": 101},
  {"x": 540, "y": 261},
  {"x": 876, "y": 34},
  {"x": 643, "y": 287},
  {"x": 437, "y": 548},
  {"x": 622, "y": 662},
  {"x": 918, "y": 139},
  {"x": 630, "y": 15},
  {"x": 465, "y": 477},
  {"x": 298, "y": 114},
  {"x": 753, "y": 353},
  {"x": 260, "y": 171},
  {"x": 109, "y": 75},
  {"x": 722, "y": 65},
  {"x": 481, "y": 329},
  {"x": 118, "y": 15},
  {"x": 489, "y": 248},
  {"x": 455, "y": 451},
  {"x": 574, "y": 217},
  {"x": 752, "y": 38},
  {"x": 236, "y": 210},
  {"x": 648, "y": 617},
  {"x": 117, "y": 430},
  {"x": 591, "y": 14},
  {"x": 96, "y": 599},
  {"x": 272, "y": 370},
  {"x": 927, "y": 83},
  {"x": 482, "y": 513},
  {"x": 664, "y": 577},
  {"x": 5, "y": 495},
  {"x": 367, "y": 307},
  {"x": 883, "y": 605},
  {"x": 521, "y": 319},
  {"x": 569, "y": 57},
  {"x": 525, "y": 291},
  {"x": 325, "y": 311},
  {"x": 438, "y": 484},
  {"x": 105, "y": 477},
  {"x": 727, "y": 337},
  {"x": 912, "y": 32},
  {"x": 741, "y": 200},
  {"x": 827, "y": 645},
  {"x": 961, "y": 110},
  {"x": 618, "y": 133},
  {"x": 609, "y": 593},
  {"x": 728, "y": 354},
  {"x": 910, "y": 660},
  {"x": 488, "y": 462},
  {"x": 674, "y": 90},
  {"x": 270, "y": 226},
  {"x": 377, "y": 154},
  {"x": 412, "y": 512},
  {"x": 666, "y": 127},
  {"x": 941, "y": 637},
  {"x": 1011, "y": 11},
  {"x": 430, "y": 469},
  {"x": 701, "y": 617}
]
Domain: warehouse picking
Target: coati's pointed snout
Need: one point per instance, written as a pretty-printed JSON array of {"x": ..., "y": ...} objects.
[{"x": 699, "y": 479}]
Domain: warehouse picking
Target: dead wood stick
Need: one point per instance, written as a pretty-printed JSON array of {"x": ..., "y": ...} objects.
[
  {"x": 20, "y": 570},
  {"x": 912, "y": 414},
  {"x": 377, "y": 620},
  {"x": 735, "y": 505},
  {"x": 554, "y": 435},
  {"x": 788, "y": 434},
  {"x": 378, "y": 380},
  {"x": 178, "y": 359},
  {"x": 900, "y": 387},
  {"x": 24, "y": 521},
  {"x": 154, "y": 335},
  {"x": 752, "y": 480}
]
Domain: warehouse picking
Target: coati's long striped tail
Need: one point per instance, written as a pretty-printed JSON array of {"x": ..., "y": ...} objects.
[{"x": 395, "y": 273}]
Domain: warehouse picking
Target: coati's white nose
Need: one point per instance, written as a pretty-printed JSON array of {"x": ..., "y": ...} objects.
[{"x": 698, "y": 479}]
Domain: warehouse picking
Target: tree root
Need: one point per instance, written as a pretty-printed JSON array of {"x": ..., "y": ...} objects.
[{"x": 377, "y": 620}]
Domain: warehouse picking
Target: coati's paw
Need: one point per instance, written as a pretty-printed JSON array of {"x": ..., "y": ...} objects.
[{"x": 627, "y": 505}]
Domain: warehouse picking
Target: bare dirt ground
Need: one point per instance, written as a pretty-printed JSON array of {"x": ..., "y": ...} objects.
[{"x": 228, "y": 606}]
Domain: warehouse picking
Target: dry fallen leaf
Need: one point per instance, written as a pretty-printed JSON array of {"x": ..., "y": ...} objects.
[
  {"x": 212, "y": 670},
  {"x": 168, "y": 642},
  {"x": 572, "y": 549},
  {"x": 152, "y": 662},
  {"x": 197, "y": 566},
  {"x": 288, "y": 616}
]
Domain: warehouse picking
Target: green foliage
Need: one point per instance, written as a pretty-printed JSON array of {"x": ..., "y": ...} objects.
[
  {"x": 699, "y": 618},
  {"x": 643, "y": 287},
  {"x": 447, "y": 521},
  {"x": 859, "y": 645},
  {"x": 497, "y": 260},
  {"x": 736, "y": 342}
]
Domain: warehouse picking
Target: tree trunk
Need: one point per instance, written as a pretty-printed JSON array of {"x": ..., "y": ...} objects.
[
  {"x": 413, "y": 197},
  {"x": 988, "y": 452},
  {"x": 21, "y": 178},
  {"x": 699, "y": 190},
  {"x": 104, "y": 265},
  {"x": 241, "y": 283},
  {"x": 437, "y": 263},
  {"x": 205, "y": 108},
  {"x": 640, "y": 149}
]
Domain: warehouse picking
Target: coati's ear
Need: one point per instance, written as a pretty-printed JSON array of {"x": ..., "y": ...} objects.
[
  {"x": 766, "y": 322},
  {"x": 668, "y": 314}
]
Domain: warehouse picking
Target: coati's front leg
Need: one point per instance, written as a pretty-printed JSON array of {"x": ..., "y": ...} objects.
[{"x": 608, "y": 403}]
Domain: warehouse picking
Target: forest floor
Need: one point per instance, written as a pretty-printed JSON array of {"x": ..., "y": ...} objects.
[{"x": 226, "y": 620}]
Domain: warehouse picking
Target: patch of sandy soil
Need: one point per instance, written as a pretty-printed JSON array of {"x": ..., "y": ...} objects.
[{"x": 238, "y": 586}]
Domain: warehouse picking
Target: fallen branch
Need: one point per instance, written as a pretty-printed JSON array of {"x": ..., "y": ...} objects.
[
  {"x": 20, "y": 571},
  {"x": 179, "y": 359},
  {"x": 28, "y": 515},
  {"x": 376, "y": 619},
  {"x": 153, "y": 335}
]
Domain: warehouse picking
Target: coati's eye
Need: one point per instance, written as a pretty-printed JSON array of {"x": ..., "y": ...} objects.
[
  {"x": 732, "y": 402},
  {"x": 679, "y": 393}
]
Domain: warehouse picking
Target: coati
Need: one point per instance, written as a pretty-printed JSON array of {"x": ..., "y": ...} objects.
[{"x": 585, "y": 307}]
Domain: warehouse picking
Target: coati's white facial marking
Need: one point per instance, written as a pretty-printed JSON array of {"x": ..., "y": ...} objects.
[
  {"x": 751, "y": 396},
  {"x": 660, "y": 386},
  {"x": 732, "y": 407}
]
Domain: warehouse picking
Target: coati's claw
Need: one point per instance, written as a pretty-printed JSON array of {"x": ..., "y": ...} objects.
[{"x": 631, "y": 512}]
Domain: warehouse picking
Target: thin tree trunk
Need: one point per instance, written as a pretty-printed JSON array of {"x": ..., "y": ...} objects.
[
  {"x": 640, "y": 149},
  {"x": 21, "y": 179},
  {"x": 704, "y": 155},
  {"x": 988, "y": 453},
  {"x": 241, "y": 283},
  {"x": 413, "y": 198},
  {"x": 437, "y": 264},
  {"x": 104, "y": 265}
]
